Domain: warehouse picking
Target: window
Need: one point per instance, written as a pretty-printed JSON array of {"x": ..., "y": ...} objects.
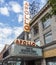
[
  {"x": 46, "y": 20},
  {"x": 18, "y": 63},
  {"x": 51, "y": 61},
  {"x": 36, "y": 30},
  {"x": 48, "y": 37},
  {"x": 37, "y": 41},
  {"x": 46, "y": 23},
  {"x": 29, "y": 36}
]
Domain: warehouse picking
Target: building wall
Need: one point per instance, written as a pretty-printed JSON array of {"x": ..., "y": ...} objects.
[
  {"x": 42, "y": 31},
  {"x": 53, "y": 27},
  {"x": 50, "y": 50},
  {"x": 1, "y": 56},
  {"x": 1, "y": 53}
]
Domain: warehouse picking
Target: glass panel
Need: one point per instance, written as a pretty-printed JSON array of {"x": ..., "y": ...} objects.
[
  {"x": 37, "y": 41},
  {"x": 18, "y": 63},
  {"x": 55, "y": 63},
  {"x": 35, "y": 31},
  {"x": 46, "y": 23},
  {"x": 48, "y": 37},
  {"x": 14, "y": 63},
  {"x": 51, "y": 63},
  {"x": 36, "y": 28},
  {"x": 29, "y": 35}
]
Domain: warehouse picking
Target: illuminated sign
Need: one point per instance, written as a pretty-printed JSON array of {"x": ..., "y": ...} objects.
[
  {"x": 24, "y": 42},
  {"x": 26, "y": 51},
  {"x": 26, "y": 17},
  {"x": 24, "y": 48}
]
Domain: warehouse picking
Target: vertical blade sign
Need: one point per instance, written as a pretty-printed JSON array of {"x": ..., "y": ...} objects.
[{"x": 26, "y": 17}]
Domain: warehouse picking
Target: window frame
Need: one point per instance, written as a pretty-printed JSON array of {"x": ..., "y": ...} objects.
[
  {"x": 45, "y": 18},
  {"x": 47, "y": 25},
  {"x": 47, "y": 36},
  {"x": 37, "y": 41}
]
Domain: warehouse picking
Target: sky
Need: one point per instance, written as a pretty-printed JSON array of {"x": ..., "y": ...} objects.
[{"x": 11, "y": 20}]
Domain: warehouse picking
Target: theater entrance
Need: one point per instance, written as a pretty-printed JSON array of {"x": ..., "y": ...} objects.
[{"x": 32, "y": 62}]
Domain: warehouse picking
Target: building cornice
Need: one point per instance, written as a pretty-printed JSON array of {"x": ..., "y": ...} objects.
[{"x": 39, "y": 13}]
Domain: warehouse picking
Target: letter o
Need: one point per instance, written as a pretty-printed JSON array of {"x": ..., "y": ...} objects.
[
  {"x": 33, "y": 44},
  {"x": 26, "y": 27}
]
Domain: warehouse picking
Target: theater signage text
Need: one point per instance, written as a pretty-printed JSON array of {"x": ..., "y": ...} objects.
[
  {"x": 26, "y": 17},
  {"x": 24, "y": 42}
]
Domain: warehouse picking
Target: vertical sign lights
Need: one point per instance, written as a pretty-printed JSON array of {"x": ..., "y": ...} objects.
[{"x": 26, "y": 17}]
